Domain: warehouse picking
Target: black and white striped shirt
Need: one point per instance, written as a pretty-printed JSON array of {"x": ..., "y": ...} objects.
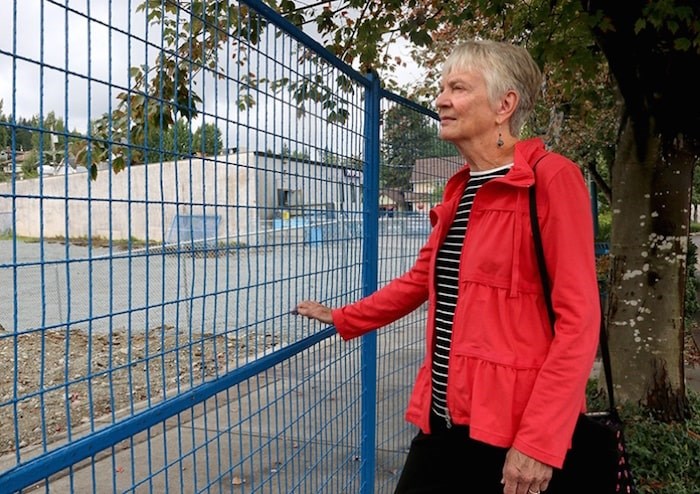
[{"x": 447, "y": 275}]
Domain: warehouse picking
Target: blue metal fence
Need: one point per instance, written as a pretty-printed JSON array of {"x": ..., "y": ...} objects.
[{"x": 145, "y": 332}]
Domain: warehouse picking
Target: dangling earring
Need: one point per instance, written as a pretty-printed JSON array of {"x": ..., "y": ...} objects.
[{"x": 499, "y": 142}]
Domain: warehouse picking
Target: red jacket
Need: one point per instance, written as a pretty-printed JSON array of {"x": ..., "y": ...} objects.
[{"x": 509, "y": 379}]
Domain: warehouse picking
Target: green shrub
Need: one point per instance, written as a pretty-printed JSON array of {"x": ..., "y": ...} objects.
[
  {"x": 30, "y": 164},
  {"x": 665, "y": 458},
  {"x": 604, "y": 227}
]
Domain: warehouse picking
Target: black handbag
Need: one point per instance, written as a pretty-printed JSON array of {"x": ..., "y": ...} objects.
[{"x": 597, "y": 462}]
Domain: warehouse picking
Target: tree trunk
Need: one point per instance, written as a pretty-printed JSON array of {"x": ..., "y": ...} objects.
[{"x": 651, "y": 201}]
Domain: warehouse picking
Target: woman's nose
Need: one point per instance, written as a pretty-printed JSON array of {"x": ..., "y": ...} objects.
[{"x": 440, "y": 100}]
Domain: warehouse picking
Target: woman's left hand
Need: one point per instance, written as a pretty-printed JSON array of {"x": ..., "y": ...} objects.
[{"x": 524, "y": 475}]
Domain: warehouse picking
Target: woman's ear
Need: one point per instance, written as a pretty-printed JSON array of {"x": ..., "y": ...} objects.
[{"x": 507, "y": 105}]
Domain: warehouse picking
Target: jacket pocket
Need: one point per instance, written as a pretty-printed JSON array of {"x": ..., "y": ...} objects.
[{"x": 489, "y": 247}]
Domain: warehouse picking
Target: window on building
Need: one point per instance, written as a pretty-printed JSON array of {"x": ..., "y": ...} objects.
[{"x": 288, "y": 198}]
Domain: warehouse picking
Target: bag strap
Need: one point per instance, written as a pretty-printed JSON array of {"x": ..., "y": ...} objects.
[{"x": 539, "y": 252}]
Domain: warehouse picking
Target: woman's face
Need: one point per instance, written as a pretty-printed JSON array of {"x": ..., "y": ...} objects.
[{"x": 466, "y": 114}]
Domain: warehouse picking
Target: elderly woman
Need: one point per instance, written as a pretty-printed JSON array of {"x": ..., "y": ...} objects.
[{"x": 499, "y": 392}]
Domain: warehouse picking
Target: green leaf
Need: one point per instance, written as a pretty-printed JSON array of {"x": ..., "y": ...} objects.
[
  {"x": 682, "y": 44},
  {"x": 420, "y": 37},
  {"x": 639, "y": 25},
  {"x": 118, "y": 164}
]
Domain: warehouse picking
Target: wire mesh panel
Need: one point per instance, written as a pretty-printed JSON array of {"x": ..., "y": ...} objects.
[
  {"x": 414, "y": 168},
  {"x": 175, "y": 177},
  {"x": 190, "y": 172}
]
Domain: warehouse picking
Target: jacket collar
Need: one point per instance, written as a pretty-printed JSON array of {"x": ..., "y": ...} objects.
[
  {"x": 527, "y": 153},
  {"x": 521, "y": 175}
]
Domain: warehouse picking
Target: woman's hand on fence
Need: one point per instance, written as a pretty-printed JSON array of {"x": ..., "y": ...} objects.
[{"x": 314, "y": 310}]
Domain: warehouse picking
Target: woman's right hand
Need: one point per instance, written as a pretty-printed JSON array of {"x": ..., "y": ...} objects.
[{"x": 314, "y": 310}]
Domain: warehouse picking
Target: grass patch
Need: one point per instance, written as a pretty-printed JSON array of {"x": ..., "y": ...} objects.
[
  {"x": 217, "y": 249},
  {"x": 95, "y": 242}
]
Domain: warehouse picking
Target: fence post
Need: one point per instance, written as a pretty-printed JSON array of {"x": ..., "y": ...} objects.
[{"x": 369, "y": 281}]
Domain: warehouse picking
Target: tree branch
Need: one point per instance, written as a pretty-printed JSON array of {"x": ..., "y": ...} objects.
[
  {"x": 355, "y": 28},
  {"x": 603, "y": 186}
]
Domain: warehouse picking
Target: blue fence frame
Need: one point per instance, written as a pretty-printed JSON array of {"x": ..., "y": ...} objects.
[{"x": 248, "y": 399}]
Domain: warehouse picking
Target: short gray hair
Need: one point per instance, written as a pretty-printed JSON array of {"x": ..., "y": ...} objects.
[{"x": 505, "y": 67}]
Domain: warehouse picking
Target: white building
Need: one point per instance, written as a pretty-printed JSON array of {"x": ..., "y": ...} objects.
[{"x": 233, "y": 197}]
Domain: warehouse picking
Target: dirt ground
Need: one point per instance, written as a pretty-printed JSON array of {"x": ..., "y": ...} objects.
[{"x": 108, "y": 373}]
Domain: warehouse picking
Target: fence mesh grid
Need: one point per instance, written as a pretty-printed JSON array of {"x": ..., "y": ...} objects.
[
  {"x": 415, "y": 166},
  {"x": 173, "y": 181}
]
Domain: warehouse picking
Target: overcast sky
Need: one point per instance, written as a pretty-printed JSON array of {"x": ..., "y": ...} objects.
[
  {"x": 64, "y": 63},
  {"x": 40, "y": 32}
]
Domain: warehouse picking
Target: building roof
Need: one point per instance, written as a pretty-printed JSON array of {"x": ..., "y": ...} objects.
[
  {"x": 418, "y": 196},
  {"x": 436, "y": 169}
]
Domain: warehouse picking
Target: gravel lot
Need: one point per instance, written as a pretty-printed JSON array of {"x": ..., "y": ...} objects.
[
  {"x": 124, "y": 370},
  {"x": 87, "y": 335}
]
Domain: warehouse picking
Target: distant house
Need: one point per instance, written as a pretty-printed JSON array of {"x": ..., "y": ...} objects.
[
  {"x": 6, "y": 156},
  {"x": 428, "y": 179}
]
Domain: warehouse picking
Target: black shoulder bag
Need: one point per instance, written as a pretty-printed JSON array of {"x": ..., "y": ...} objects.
[{"x": 597, "y": 462}]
